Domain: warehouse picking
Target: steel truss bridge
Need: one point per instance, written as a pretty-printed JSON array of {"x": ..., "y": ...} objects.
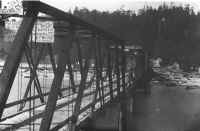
[{"x": 89, "y": 71}]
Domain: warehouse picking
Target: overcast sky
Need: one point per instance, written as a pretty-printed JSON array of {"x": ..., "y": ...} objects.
[
  {"x": 116, "y": 4},
  {"x": 110, "y": 5}
]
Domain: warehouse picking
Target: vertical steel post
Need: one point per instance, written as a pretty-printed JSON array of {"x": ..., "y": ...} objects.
[
  {"x": 100, "y": 60},
  {"x": 117, "y": 64},
  {"x": 123, "y": 65},
  {"x": 109, "y": 71},
  {"x": 63, "y": 38},
  {"x": 146, "y": 55},
  {"x": 123, "y": 103},
  {"x": 71, "y": 75},
  {"x": 84, "y": 74},
  {"x": 97, "y": 73},
  {"x": 10, "y": 68},
  {"x": 123, "y": 106}
]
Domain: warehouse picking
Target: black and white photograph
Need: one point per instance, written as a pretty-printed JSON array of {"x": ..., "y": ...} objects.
[{"x": 99, "y": 65}]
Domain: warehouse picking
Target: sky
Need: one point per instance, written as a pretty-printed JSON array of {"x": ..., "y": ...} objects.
[{"x": 111, "y": 5}]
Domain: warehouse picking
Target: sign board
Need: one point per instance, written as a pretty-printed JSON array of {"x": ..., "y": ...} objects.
[
  {"x": 8, "y": 11},
  {"x": 44, "y": 31}
]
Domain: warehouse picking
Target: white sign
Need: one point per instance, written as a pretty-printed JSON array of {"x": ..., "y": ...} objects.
[
  {"x": 8, "y": 11},
  {"x": 44, "y": 31}
]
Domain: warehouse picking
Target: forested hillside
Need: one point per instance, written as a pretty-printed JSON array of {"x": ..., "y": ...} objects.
[{"x": 171, "y": 32}]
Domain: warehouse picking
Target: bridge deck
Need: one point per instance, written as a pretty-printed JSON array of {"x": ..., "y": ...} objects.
[{"x": 168, "y": 108}]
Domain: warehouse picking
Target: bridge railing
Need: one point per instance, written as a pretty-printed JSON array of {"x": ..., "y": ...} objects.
[{"x": 82, "y": 70}]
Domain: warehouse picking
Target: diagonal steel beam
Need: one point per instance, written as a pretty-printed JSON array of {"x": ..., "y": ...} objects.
[
  {"x": 57, "y": 81},
  {"x": 12, "y": 63},
  {"x": 33, "y": 69},
  {"x": 33, "y": 75},
  {"x": 84, "y": 75},
  {"x": 52, "y": 59},
  {"x": 53, "y": 63}
]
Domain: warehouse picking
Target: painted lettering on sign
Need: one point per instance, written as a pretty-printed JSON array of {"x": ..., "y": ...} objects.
[{"x": 44, "y": 31}]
